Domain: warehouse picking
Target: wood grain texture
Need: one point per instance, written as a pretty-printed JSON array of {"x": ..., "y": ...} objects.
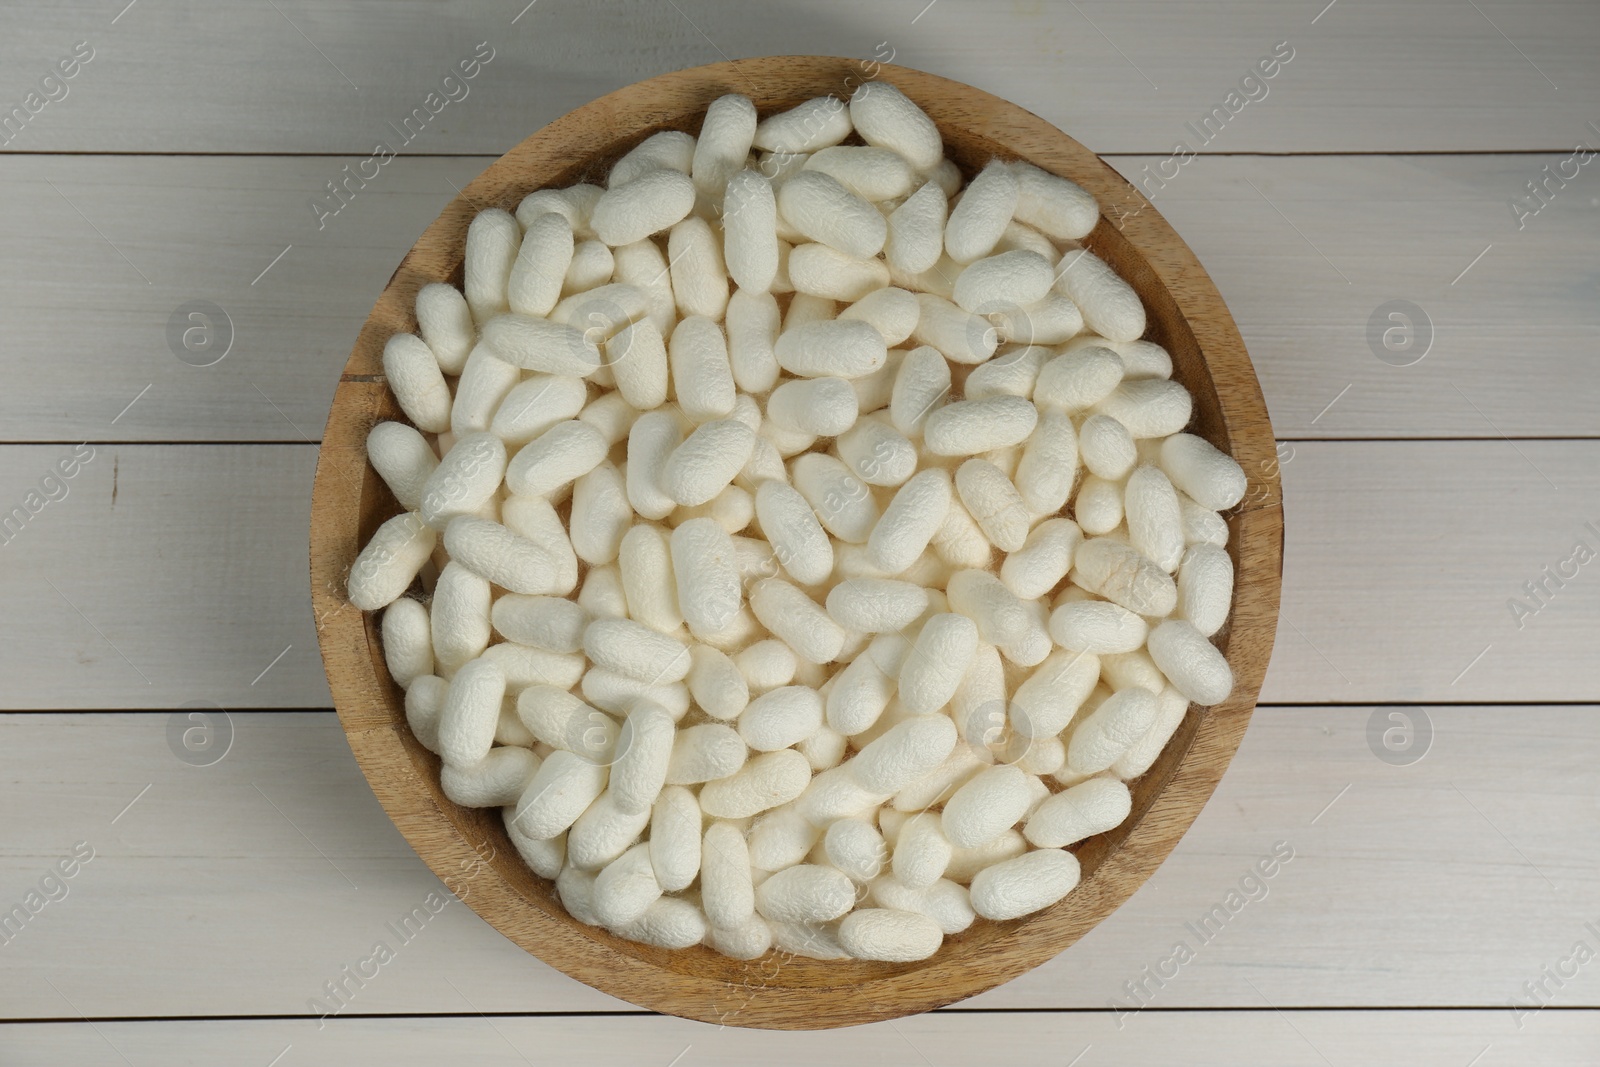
[
  {"x": 1126, "y": 77},
  {"x": 1293, "y": 246},
  {"x": 1208, "y": 1039},
  {"x": 240, "y": 869},
  {"x": 107, "y": 250},
  {"x": 1396, "y": 576},
  {"x": 1510, "y": 509},
  {"x": 1398, "y": 553},
  {"x": 1187, "y": 317},
  {"x": 72, "y": 296},
  {"x": 167, "y": 573}
]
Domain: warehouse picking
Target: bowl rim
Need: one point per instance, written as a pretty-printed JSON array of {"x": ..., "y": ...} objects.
[{"x": 468, "y": 848}]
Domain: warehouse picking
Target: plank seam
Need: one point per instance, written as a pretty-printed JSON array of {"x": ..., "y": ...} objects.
[
  {"x": 1168, "y": 1010},
  {"x": 1152, "y": 154},
  {"x": 302, "y": 442}
]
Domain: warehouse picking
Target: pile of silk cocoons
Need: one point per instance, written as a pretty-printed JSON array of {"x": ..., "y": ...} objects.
[{"x": 803, "y": 548}]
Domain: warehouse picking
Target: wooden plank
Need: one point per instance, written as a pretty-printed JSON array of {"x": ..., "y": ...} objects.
[
  {"x": 108, "y": 250},
  {"x": 1310, "y": 254},
  {"x": 1208, "y": 1039},
  {"x": 77, "y": 299},
  {"x": 166, "y": 574},
  {"x": 1401, "y": 561},
  {"x": 1120, "y": 77},
  {"x": 277, "y": 866}
]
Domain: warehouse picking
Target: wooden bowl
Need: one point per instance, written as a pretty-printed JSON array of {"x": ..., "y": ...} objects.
[{"x": 468, "y": 848}]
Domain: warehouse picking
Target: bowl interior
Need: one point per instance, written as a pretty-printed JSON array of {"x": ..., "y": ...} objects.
[{"x": 469, "y": 849}]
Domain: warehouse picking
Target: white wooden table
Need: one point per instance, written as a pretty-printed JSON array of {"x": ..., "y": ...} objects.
[{"x": 1438, "y": 910}]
